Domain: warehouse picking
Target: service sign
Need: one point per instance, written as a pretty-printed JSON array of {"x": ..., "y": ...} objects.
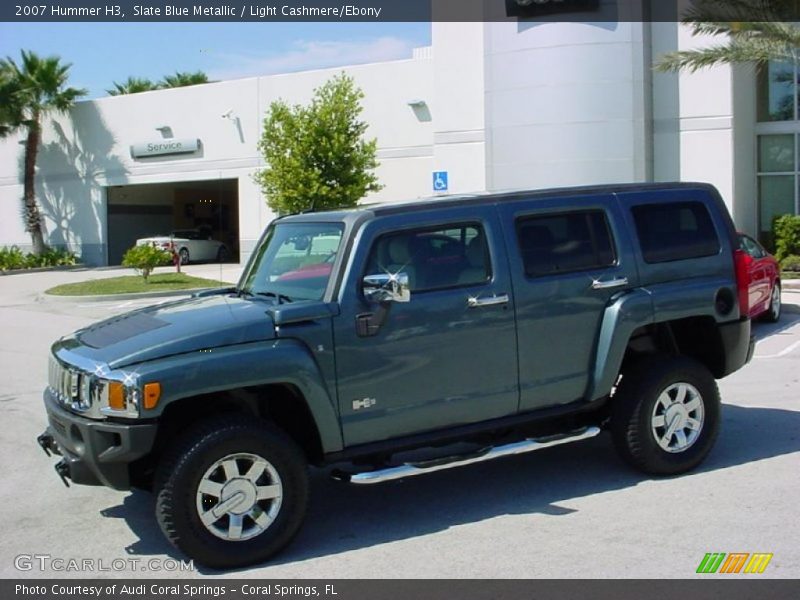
[{"x": 165, "y": 147}]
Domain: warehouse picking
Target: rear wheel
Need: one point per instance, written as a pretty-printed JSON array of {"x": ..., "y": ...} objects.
[
  {"x": 773, "y": 313},
  {"x": 232, "y": 492},
  {"x": 183, "y": 254},
  {"x": 665, "y": 414}
]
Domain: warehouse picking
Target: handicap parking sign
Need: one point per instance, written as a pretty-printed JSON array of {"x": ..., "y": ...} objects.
[{"x": 440, "y": 183}]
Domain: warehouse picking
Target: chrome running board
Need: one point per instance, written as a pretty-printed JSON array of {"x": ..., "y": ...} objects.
[{"x": 421, "y": 468}]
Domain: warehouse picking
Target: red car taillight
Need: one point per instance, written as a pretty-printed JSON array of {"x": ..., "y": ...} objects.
[{"x": 742, "y": 280}]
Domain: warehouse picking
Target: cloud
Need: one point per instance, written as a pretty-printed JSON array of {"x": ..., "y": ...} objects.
[{"x": 307, "y": 55}]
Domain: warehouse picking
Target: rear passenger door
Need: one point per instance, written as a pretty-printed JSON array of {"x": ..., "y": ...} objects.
[{"x": 568, "y": 261}]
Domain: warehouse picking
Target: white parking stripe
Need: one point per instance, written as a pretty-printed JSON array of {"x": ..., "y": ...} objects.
[{"x": 784, "y": 352}]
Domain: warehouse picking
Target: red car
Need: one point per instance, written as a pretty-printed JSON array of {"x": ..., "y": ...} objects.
[{"x": 762, "y": 273}]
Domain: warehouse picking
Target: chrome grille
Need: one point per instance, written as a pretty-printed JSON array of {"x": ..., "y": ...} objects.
[{"x": 64, "y": 382}]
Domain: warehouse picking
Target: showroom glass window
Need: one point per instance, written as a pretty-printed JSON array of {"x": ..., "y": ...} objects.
[{"x": 778, "y": 144}]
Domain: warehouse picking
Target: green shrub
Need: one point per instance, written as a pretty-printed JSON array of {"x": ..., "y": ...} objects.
[
  {"x": 13, "y": 258},
  {"x": 786, "y": 231},
  {"x": 143, "y": 259},
  {"x": 791, "y": 263}
]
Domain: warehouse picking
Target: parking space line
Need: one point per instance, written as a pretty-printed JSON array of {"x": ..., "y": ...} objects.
[{"x": 786, "y": 351}]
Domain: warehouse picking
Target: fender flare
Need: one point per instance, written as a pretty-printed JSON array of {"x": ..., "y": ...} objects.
[
  {"x": 621, "y": 318},
  {"x": 284, "y": 361}
]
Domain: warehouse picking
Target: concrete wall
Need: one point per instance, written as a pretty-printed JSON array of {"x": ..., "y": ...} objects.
[{"x": 566, "y": 104}]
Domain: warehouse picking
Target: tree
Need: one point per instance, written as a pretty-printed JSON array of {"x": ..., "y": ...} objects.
[
  {"x": 316, "y": 155},
  {"x": 181, "y": 79},
  {"x": 755, "y": 30},
  {"x": 132, "y": 85},
  {"x": 28, "y": 92}
]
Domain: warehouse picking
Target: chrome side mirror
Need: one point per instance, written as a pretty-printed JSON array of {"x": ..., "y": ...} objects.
[{"x": 387, "y": 288}]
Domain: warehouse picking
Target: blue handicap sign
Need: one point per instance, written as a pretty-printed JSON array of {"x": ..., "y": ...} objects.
[{"x": 440, "y": 183}]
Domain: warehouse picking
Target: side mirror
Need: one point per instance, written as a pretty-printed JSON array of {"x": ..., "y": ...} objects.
[{"x": 384, "y": 288}]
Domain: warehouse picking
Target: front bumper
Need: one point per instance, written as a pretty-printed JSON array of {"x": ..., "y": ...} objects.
[{"x": 94, "y": 452}]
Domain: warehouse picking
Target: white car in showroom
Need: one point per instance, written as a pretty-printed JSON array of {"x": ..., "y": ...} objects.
[{"x": 192, "y": 245}]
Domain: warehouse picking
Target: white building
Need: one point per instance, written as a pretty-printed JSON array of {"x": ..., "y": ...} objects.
[{"x": 494, "y": 105}]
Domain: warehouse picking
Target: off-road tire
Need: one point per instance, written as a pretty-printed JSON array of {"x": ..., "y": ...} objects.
[
  {"x": 633, "y": 405},
  {"x": 182, "y": 467}
]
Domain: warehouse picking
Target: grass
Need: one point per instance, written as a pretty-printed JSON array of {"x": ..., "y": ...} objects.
[
  {"x": 130, "y": 284},
  {"x": 790, "y": 275}
]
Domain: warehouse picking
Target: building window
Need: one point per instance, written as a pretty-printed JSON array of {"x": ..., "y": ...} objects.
[
  {"x": 777, "y": 92},
  {"x": 778, "y": 145},
  {"x": 778, "y": 179}
]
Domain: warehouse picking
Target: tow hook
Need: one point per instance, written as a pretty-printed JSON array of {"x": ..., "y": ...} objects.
[
  {"x": 62, "y": 468},
  {"x": 47, "y": 443}
]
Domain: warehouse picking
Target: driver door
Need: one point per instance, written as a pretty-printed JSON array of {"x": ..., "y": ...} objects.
[{"x": 448, "y": 356}]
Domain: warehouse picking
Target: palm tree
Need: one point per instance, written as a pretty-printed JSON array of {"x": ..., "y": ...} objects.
[
  {"x": 755, "y": 33},
  {"x": 183, "y": 79},
  {"x": 132, "y": 85},
  {"x": 28, "y": 92}
]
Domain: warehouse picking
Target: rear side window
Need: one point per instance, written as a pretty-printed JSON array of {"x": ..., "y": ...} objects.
[
  {"x": 566, "y": 242},
  {"x": 675, "y": 231}
]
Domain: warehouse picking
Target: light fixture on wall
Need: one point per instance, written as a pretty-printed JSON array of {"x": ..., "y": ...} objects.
[
  {"x": 231, "y": 116},
  {"x": 166, "y": 131},
  {"x": 420, "y": 108}
]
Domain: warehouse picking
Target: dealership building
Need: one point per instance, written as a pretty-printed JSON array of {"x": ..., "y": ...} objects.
[{"x": 488, "y": 106}]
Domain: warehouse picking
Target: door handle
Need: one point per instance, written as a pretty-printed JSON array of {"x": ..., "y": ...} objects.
[
  {"x": 473, "y": 302},
  {"x": 597, "y": 284}
]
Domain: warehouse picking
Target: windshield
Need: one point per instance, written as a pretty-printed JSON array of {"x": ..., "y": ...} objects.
[{"x": 294, "y": 262}]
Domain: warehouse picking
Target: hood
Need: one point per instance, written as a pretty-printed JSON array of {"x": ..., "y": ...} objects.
[{"x": 173, "y": 328}]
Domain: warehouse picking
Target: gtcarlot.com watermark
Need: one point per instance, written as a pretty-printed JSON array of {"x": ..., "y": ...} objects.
[{"x": 63, "y": 564}]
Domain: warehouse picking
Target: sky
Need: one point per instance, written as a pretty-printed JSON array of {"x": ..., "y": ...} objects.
[{"x": 102, "y": 53}]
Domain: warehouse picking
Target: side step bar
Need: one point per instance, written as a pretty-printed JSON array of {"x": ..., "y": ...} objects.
[{"x": 420, "y": 468}]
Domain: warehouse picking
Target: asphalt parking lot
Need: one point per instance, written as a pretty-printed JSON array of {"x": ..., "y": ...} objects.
[{"x": 567, "y": 512}]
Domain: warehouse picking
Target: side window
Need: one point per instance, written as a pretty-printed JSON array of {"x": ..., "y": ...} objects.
[
  {"x": 752, "y": 248},
  {"x": 675, "y": 231},
  {"x": 434, "y": 259},
  {"x": 566, "y": 242}
]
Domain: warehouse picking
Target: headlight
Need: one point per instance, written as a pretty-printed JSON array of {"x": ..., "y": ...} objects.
[{"x": 117, "y": 398}]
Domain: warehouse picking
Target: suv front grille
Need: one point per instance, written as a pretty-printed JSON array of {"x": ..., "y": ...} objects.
[{"x": 66, "y": 384}]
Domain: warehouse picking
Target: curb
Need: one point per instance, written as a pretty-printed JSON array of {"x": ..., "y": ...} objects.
[
  {"x": 790, "y": 285},
  {"x": 43, "y": 297},
  {"x": 80, "y": 267}
]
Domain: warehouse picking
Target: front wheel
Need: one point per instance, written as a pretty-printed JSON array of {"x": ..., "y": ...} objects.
[
  {"x": 232, "y": 492},
  {"x": 665, "y": 414}
]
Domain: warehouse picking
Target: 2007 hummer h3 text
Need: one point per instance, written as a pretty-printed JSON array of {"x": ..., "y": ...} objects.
[{"x": 397, "y": 340}]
